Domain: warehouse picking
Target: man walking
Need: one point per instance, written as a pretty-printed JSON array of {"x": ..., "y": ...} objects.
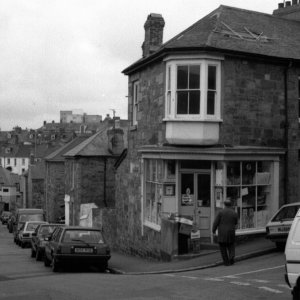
[{"x": 225, "y": 222}]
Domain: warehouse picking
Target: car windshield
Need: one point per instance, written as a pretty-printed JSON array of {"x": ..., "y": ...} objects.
[
  {"x": 31, "y": 217},
  {"x": 46, "y": 230},
  {"x": 85, "y": 236},
  {"x": 32, "y": 226},
  {"x": 286, "y": 213}
]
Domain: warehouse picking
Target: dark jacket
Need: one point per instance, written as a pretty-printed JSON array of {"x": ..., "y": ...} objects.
[{"x": 225, "y": 222}]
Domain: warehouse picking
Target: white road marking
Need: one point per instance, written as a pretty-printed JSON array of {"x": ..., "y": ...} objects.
[
  {"x": 285, "y": 286},
  {"x": 214, "y": 279},
  {"x": 240, "y": 283},
  {"x": 231, "y": 276},
  {"x": 259, "y": 280},
  {"x": 270, "y": 290},
  {"x": 190, "y": 277},
  {"x": 256, "y": 271}
]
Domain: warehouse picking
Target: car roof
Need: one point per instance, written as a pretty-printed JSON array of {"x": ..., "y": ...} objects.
[
  {"x": 81, "y": 228},
  {"x": 290, "y": 204}
]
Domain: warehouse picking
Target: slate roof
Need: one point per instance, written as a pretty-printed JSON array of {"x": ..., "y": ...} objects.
[
  {"x": 58, "y": 154},
  {"x": 230, "y": 29},
  {"x": 7, "y": 178},
  {"x": 97, "y": 144}
]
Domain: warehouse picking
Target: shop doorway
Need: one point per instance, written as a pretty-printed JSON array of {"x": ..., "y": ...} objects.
[{"x": 195, "y": 200}]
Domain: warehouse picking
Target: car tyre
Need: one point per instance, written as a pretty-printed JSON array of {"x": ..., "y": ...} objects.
[
  {"x": 280, "y": 246},
  {"x": 38, "y": 255},
  {"x": 54, "y": 265},
  {"x": 102, "y": 267},
  {"x": 47, "y": 262},
  {"x": 296, "y": 293},
  {"x": 33, "y": 253}
]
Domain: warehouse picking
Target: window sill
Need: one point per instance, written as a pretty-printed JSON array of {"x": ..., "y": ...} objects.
[
  {"x": 153, "y": 226},
  {"x": 193, "y": 119},
  {"x": 133, "y": 127}
]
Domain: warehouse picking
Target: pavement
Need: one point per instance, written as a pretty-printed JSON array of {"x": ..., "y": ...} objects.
[{"x": 208, "y": 257}]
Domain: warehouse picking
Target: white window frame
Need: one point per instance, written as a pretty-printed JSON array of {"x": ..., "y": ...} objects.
[
  {"x": 157, "y": 182},
  {"x": 135, "y": 101},
  {"x": 171, "y": 89}
]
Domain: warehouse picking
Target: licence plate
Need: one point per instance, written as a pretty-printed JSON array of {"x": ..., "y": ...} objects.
[
  {"x": 84, "y": 250},
  {"x": 280, "y": 229}
]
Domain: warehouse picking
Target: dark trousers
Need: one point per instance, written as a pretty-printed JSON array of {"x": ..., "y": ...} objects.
[{"x": 227, "y": 252}]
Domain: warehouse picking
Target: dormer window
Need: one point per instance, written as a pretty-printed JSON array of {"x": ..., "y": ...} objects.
[{"x": 193, "y": 89}]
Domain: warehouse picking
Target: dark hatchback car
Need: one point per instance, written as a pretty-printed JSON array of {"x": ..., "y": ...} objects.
[
  {"x": 38, "y": 239},
  {"x": 77, "y": 245}
]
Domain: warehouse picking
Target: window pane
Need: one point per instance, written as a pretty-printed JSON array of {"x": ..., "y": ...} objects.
[
  {"x": 248, "y": 172},
  {"x": 212, "y": 77},
  {"x": 182, "y": 102},
  {"x": 194, "y": 107},
  {"x": 211, "y": 102},
  {"x": 182, "y": 77},
  {"x": 194, "y": 77}
]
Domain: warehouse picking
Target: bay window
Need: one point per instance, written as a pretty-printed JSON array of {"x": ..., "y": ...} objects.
[{"x": 193, "y": 89}]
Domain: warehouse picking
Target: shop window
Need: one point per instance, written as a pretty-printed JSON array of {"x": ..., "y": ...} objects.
[
  {"x": 154, "y": 191},
  {"x": 248, "y": 185}
]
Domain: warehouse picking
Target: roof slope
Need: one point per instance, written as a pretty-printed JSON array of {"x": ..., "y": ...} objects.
[
  {"x": 96, "y": 145},
  {"x": 58, "y": 155},
  {"x": 237, "y": 30}
]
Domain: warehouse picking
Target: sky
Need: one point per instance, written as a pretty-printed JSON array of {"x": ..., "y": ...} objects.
[{"x": 69, "y": 54}]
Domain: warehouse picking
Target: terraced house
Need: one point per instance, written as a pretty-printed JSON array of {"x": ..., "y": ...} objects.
[{"x": 214, "y": 114}]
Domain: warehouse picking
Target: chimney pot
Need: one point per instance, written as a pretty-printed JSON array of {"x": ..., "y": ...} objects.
[
  {"x": 295, "y": 2},
  {"x": 287, "y": 3},
  {"x": 280, "y": 5}
]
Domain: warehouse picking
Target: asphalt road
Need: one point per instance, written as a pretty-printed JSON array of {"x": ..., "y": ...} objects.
[{"x": 21, "y": 277}]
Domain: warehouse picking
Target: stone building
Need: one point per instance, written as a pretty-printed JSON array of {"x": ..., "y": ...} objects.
[
  {"x": 89, "y": 173},
  {"x": 55, "y": 180},
  {"x": 214, "y": 114}
]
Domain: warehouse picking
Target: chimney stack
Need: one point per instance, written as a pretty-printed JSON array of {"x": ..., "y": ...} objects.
[
  {"x": 288, "y": 10},
  {"x": 154, "y": 27}
]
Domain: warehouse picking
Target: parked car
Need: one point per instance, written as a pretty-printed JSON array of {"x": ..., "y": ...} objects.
[
  {"x": 27, "y": 214},
  {"x": 279, "y": 226},
  {"x": 5, "y": 216},
  {"x": 26, "y": 231},
  {"x": 38, "y": 239},
  {"x": 292, "y": 255},
  {"x": 80, "y": 245}
]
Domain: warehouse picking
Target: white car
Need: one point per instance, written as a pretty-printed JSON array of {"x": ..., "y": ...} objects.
[
  {"x": 279, "y": 226},
  {"x": 25, "y": 234},
  {"x": 292, "y": 256}
]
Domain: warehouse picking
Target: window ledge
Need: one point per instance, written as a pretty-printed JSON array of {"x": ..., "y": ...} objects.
[
  {"x": 133, "y": 127},
  {"x": 216, "y": 120},
  {"x": 153, "y": 226}
]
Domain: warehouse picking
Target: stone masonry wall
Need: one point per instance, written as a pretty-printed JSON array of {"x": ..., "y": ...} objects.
[
  {"x": 253, "y": 113},
  {"x": 55, "y": 190}
]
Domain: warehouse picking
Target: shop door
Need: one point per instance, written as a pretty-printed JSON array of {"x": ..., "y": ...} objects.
[
  {"x": 186, "y": 206},
  {"x": 203, "y": 204}
]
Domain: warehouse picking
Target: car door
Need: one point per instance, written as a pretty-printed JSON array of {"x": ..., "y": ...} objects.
[{"x": 54, "y": 242}]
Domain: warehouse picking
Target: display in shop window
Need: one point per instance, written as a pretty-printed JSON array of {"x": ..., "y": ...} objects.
[
  {"x": 187, "y": 198},
  {"x": 169, "y": 190}
]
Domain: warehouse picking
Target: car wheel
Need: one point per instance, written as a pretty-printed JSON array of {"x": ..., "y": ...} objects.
[
  {"x": 54, "y": 265},
  {"x": 280, "y": 246},
  {"x": 102, "y": 267},
  {"x": 38, "y": 255},
  {"x": 33, "y": 253},
  {"x": 296, "y": 293},
  {"x": 46, "y": 261}
]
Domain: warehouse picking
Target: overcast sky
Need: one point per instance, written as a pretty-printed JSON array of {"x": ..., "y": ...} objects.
[{"x": 69, "y": 54}]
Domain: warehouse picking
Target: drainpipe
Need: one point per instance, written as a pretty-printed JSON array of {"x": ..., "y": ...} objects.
[
  {"x": 104, "y": 183},
  {"x": 286, "y": 132}
]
